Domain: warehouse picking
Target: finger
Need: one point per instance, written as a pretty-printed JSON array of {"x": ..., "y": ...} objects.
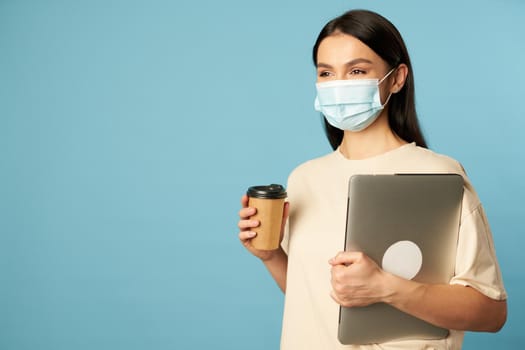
[
  {"x": 245, "y": 213},
  {"x": 335, "y": 260},
  {"x": 247, "y": 224},
  {"x": 338, "y": 272},
  {"x": 339, "y": 277},
  {"x": 335, "y": 297},
  {"x": 244, "y": 200},
  {"x": 346, "y": 258},
  {"x": 246, "y": 235}
]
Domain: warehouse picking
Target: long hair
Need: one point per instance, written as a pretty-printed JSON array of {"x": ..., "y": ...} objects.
[{"x": 384, "y": 39}]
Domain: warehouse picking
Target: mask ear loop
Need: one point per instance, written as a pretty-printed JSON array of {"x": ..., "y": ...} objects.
[
  {"x": 386, "y": 76},
  {"x": 387, "y": 99},
  {"x": 380, "y": 81}
]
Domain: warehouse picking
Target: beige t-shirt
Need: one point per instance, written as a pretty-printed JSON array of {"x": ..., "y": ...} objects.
[{"x": 317, "y": 192}]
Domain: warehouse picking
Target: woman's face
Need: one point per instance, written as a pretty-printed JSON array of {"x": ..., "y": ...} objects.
[{"x": 341, "y": 57}]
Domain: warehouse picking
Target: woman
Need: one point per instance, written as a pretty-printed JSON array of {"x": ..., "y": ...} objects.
[{"x": 361, "y": 56}]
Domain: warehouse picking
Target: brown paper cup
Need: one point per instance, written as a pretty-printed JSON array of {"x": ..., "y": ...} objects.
[
  {"x": 269, "y": 202},
  {"x": 270, "y": 215}
]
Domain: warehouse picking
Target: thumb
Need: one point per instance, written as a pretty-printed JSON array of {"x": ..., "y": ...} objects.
[{"x": 286, "y": 211}]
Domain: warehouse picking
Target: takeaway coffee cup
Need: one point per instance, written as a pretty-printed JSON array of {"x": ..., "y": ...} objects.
[{"x": 269, "y": 201}]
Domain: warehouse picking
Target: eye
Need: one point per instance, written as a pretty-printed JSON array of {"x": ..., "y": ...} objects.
[
  {"x": 357, "y": 71},
  {"x": 324, "y": 74}
]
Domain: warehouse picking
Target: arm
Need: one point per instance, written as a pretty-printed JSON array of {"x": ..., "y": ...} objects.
[
  {"x": 276, "y": 261},
  {"x": 277, "y": 266},
  {"x": 448, "y": 306},
  {"x": 358, "y": 281}
]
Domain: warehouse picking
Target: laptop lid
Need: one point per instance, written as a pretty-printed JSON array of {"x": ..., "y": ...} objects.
[{"x": 408, "y": 224}]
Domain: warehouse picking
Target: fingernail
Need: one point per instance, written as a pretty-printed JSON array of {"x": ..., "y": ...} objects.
[{"x": 251, "y": 234}]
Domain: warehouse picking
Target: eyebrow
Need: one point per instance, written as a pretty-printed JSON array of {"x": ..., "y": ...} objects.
[{"x": 349, "y": 63}]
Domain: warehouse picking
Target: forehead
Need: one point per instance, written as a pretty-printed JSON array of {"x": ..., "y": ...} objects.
[{"x": 340, "y": 48}]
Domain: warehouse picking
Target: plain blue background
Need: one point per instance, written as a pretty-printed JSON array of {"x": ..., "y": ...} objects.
[{"x": 130, "y": 129}]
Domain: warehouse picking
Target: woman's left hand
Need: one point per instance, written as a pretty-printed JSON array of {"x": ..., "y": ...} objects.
[{"x": 357, "y": 280}]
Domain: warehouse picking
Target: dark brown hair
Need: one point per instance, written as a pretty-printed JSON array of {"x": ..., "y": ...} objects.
[{"x": 384, "y": 39}]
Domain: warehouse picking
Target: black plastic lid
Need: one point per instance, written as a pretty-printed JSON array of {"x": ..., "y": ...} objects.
[{"x": 272, "y": 191}]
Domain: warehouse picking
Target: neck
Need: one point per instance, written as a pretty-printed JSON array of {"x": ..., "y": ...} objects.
[{"x": 377, "y": 139}]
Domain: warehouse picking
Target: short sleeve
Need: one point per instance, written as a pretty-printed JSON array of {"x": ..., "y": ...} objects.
[
  {"x": 476, "y": 263},
  {"x": 294, "y": 198}
]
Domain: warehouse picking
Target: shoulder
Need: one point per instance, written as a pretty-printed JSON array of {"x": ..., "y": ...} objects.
[
  {"x": 442, "y": 163},
  {"x": 312, "y": 167},
  {"x": 434, "y": 161},
  {"x": 311, "y": 175}
]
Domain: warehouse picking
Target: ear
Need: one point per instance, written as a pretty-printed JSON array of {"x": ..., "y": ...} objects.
[{"x": 399, "y": 78}]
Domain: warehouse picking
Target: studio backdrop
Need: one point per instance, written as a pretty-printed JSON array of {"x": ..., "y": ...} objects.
[{"x": 130, "y": 129}]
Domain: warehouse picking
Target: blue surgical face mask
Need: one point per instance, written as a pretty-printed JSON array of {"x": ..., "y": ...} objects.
[{"x": 350, "y": 104}]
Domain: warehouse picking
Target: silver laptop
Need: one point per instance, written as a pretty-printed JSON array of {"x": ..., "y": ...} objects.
[{"x": 408, "y": 224}]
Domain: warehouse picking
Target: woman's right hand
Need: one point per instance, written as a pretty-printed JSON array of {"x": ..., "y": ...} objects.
[{"x": 246, "y": 225}]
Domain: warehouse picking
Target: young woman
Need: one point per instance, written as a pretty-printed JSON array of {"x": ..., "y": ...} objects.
[{"x": 360, "y": 56}]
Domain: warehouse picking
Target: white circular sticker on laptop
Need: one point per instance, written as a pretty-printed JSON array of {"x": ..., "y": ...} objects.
[{"x": 403, "y": 259}]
